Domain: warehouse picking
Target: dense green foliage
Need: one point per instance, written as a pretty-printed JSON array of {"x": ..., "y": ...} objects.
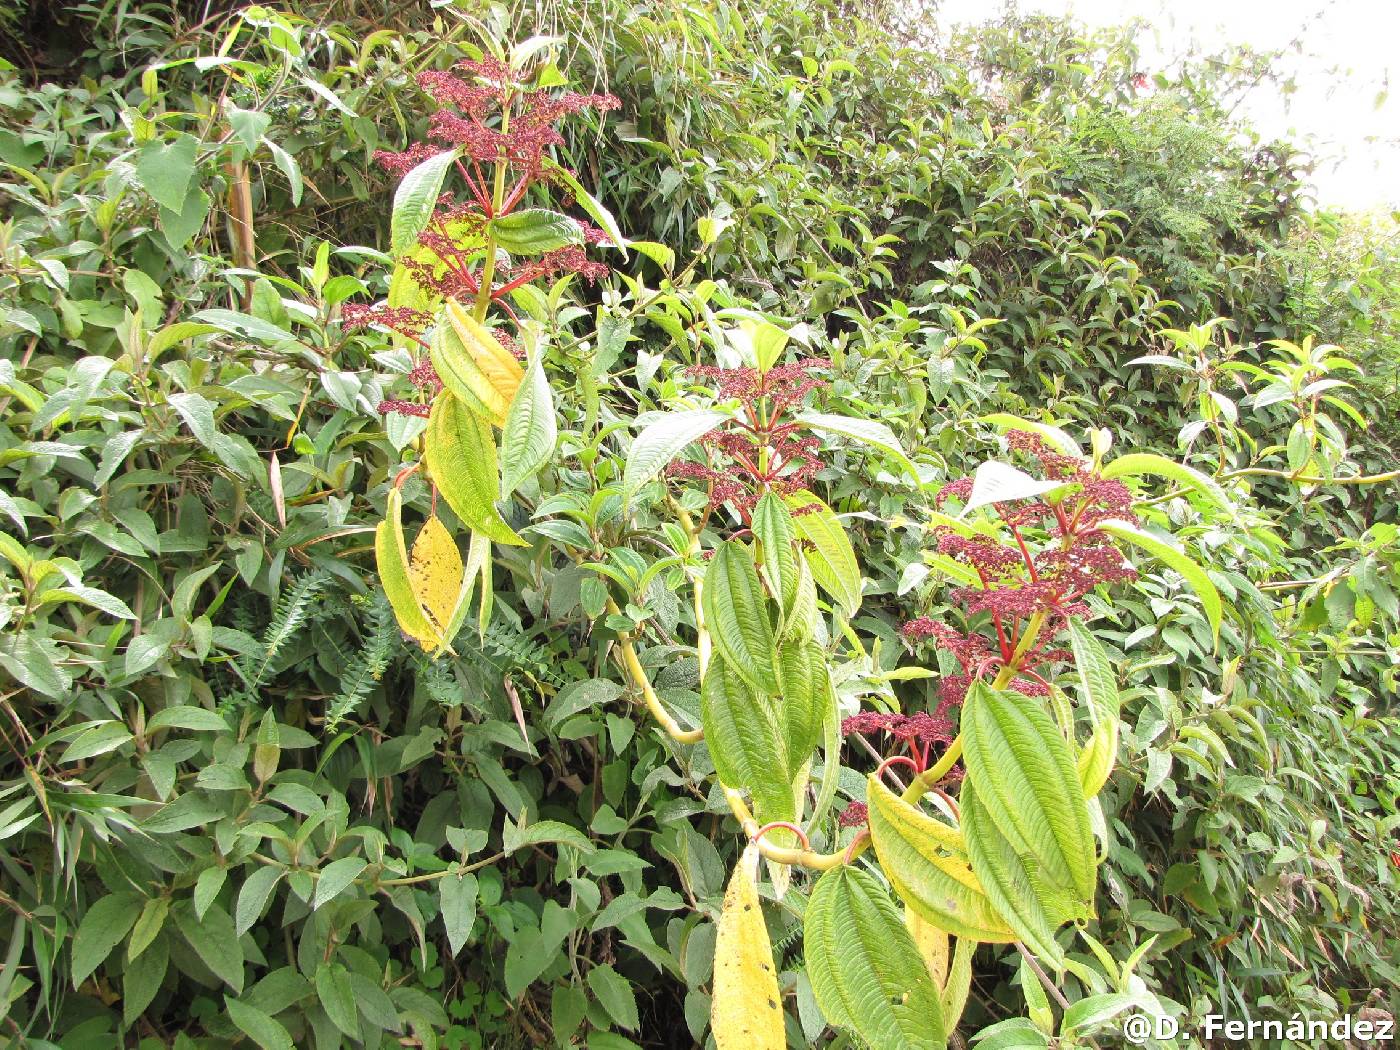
[{"x": 237, "y": 806}]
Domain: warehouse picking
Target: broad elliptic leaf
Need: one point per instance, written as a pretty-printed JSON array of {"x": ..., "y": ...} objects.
[
  {"x": 461, "y": 457},
  {"x": 927, "y": 865},
  {"x": 534, "y": 231},
  {"x": 1024, "y": 773},
  {"x": 866, "y": 972},
  {"x": 933, "y": 944},
  {"x": 747, "y": 741},
  {"x": 661, "y": 441},
  {"x": 1173, "y": 558},
  {"x": 435, "y": 570},
  {"x": 829, "y": 556},
  {"x": 736, "y": 613},
  {"x": 104, "y": 925},
  {"x": 259, "y": 1026},
  {"x": 995, "y": 482},
  {"x": 1136, "y": 464},
  {"x": 746, "y": 1010},
  {"x": 457, "y": 902},
  {"x": 1033, "y": 908},
  {"x": 866, "y": 431},
  {"x": 527, "y": 439},
  {"x": 391, "y": 558},
  {"x": 1053, "y": 436},
  {"x": 773, "y": 528},
  {"x": 414, "y": 200}
]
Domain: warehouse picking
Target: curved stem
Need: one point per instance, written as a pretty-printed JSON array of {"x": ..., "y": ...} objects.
[
  {"x": 803, "y": 858},
  {"x": 1308, "y": 479},
  {"x": 639, "y": 678}
]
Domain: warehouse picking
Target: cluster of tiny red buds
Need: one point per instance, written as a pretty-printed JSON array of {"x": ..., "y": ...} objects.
[
  {"x": 1015, "y": 584},
  {"x": 919, "y": 733},
  {"x": 739, "y": 472}
]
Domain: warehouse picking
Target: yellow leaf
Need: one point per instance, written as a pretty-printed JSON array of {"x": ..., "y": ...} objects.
[
  {"x": 746, "y": 1012},
  {"x": 435, "y": 568},
  {"x": 932, "y": 944},
  {"x": 391, "y": 558},
  {"x": 474, "y": 365}
]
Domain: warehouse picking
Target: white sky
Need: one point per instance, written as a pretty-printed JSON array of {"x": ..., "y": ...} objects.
[{"x": 1346, "y": 53}]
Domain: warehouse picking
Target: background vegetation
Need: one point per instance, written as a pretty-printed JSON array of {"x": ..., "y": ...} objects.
[{"x": 229, "y": 790}]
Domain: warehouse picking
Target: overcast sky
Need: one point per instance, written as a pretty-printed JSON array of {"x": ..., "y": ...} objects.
[{"x": 1357, "y": 144}]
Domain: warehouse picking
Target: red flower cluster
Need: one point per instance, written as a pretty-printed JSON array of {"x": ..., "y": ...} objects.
[
  {"x": 1016, "y": 585},
  {"x": 498, "y": 129},
  {"x": 918, "y": 732},
  {"x": 763, "y": 451}
]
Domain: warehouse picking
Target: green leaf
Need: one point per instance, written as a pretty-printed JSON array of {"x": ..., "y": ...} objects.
[
  {"x": 1053, "y": 436},
  {"x": 1136, "y": 464},
  {"x": 534, "y": 231},
  {"x": 96, "y": 741},
  {"x": 206, "y": 889},
  {"x": 142, "y": 978},
  {"x": 337, "y": 997},
  {"x": 1099, "y": 685},
  {"x": 182, "y": 717},
  {"x": 866, "y": 973},
  {"x": 831, "y": 558},
  {"x": 866, "y": 431},
  {"x": 181, "y": 224},
  {"x": 215, "y": 941},
  {"x": 995, "y": 482},
  {"x": 805, "y": 699},
  {"x": 164, "y": 170},
  {"x": 335, "y": 878},
  {"x": 1016, "y": 1033},
  {"x": 1092, "y": 1011},
  {"x": 148, "y": 925},
  {"x": 527, "y": 439},
  {"x": 518, "y": 836},
  {"x": 772, "y": 527},
  {"x": 660, "y": 441},
  {"x": 101, "y": 600},
  {"x": 747, "y": 741},
  {"x": 104, "y": 926},
  {"x": 457, "y": 902},
  {"x": 1028, "y": 905},
  {"x": 415, "y": 199},
  {"x": 926, "y": 863},
  {"x": 1025, "y": 775},
  {"x": 461, "y": 456},
  {"x": 589, "y": 204},
  {"x": 959, "y": 982},
  {"x": 736, "y": 613},
  {"x": 252, "y": 897},
  {"x": 615, "y": 993},
  {"x": 263, "y": 1029},
  {"x": 1173, "y": 558},
  {"x": 187, "y": 811}
]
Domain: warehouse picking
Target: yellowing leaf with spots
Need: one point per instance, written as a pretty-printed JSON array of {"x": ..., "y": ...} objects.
[
  {"x": 746, "y": 1012},
  {"x": 435, "y": 569},
  {"x": 932, "y": 944},
  {"x": 474, "y": 365},
  {"x": 396, "y": 576}
]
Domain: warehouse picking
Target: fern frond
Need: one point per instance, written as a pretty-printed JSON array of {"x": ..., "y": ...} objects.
[{"x": 368, "y": 665}]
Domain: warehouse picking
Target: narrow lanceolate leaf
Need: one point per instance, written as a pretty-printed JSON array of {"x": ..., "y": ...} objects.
[
  {"x": 461, "y": 457},
  {"x": 473, "y": 364},
  {"x": 1025, "y": 775},
  {"x": 804, "y": 697},
  {"x": 926, "y": 863},
  {"x": 773, "y": 528},
  {"x": 104, "y": 925},
  {"x": 534, "y": 231},
  {"x": 959, "y": 982},
  {"x": 391, "y": 558},
  {"x": 865, "y": 970},
  {"x": 1099, "y": 685},
  {"x": 736, "y": 612},
  {"x": 829, "y": 554},
  {"x": 866, "y": 431},
  {"x": 994, "y": 482},
  {"x": 746, "y": 1011},
  {"x": 661, "y": 441},
  {"x": 746, "y": 740},
  {"x": 415, "y": 199},
  {"x": 527, "y": 439},
  {"x": 1173, "y": 558},
  {"x": 435, "y": 570},
  {"x": 1136, "y": 464},
  {"x": 1029, "y": 906}
]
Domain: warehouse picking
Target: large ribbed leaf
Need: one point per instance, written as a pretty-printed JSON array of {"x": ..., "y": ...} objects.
[
  {"x": 461, "y": 457},
  {"x": 830, "y": 556},
  {"x": 415, "y": 199},
  {"x": 773, "y": 528},
  {"x": 1135, "y": 464},
  {"x": 1025, "y": 774},
  {"x": 926, "y": 863},
  {"x": 747, "y": 741},
  {"x": 746, "y": 1012},
  {"x": 391, "y": 558},
  {"x": 661, "y": 441},
  {"x": 527, "y": 439},
  {"x": 805, "y": 697},
  {"x": 736, "y": 612},
  {"x": 1012, "y": 881},
  {"x": 1099, "y": 684},
  {"x": 865, "y": 970}
]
